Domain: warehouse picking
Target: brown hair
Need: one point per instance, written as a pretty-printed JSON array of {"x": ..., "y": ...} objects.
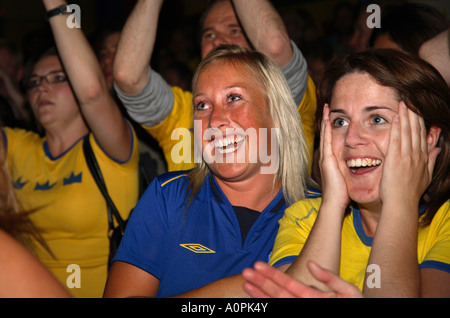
[{"x": 423, "y": 90}]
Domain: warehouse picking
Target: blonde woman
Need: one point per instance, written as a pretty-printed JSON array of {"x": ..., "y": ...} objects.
[{"x": 194, "y": 232}]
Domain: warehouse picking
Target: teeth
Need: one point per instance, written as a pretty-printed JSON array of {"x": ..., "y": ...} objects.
[
  {"x": 367, "y": 162},
  {"x": 225, "y": 142}
]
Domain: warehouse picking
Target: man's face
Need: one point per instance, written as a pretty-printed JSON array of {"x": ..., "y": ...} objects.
[{"x": 221, "y": 27}]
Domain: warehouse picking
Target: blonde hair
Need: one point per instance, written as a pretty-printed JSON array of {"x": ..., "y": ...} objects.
[
  {"x": 13, "y": 219},
  {"x": 293, "y": 156}
]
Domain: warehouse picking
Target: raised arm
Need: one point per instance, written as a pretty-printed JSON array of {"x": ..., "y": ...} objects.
[
  {"x": 135, "y": 49},
  {"x": 265, "y": 29},
  {"x": 436, "y": 51},
  {"x": 83, "y": 70}
]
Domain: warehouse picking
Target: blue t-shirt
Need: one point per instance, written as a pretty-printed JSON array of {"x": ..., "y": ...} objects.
[{"x": 186, "y": 250}]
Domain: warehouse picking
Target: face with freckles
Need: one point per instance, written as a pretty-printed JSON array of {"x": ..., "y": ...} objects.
[
  {"x": 231, "y": 107},
  {"x": 361, "y": 114}
]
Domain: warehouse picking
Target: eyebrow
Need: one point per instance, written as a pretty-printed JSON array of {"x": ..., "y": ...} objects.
[
  {"x": 55, "y": 71},
  {"x": 231, "y": 25},
  {"x": 366, "y": 109}
]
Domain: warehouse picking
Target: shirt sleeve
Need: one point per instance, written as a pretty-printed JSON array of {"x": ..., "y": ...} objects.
[
  {"x": 153, "y": 104},
  {"x": 437, "y": 246},
  {"x": 296, "y": 74},
  {"x": 143, "y": 243},
  {"x": 294, "y": 229}
]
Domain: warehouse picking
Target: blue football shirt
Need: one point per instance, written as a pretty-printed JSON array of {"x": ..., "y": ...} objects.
[{"x": 186, "y": 250}]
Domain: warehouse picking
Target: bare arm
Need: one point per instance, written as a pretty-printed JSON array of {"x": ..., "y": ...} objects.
[
  {"x": 436, "y": 51},
  {"x": 265, "y": 29},
  {"x": 96, "y": 103},
  {"x": 229, "y": 287},
  {"x": 139, "y": 283},
  {"x": 135, "y": 47},
  {"x": 126, "y": 280},
  {"x": 22, "y": 274}
]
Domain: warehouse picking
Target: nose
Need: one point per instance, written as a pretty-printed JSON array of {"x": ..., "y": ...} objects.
[
  {"x": 220, "y": 39},
  {"x": 355, "y": 135},
  {"x": 219, "y": 118}
]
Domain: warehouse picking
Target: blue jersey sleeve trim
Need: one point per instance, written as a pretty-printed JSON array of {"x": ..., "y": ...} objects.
[
  {"x": 285, "y": 260},
  {"x": 5, "y": 140},
  {"x": 436, "y": 265}
]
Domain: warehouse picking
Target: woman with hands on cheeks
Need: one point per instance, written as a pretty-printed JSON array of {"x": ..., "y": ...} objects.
[{"x": 383, "y": 221}]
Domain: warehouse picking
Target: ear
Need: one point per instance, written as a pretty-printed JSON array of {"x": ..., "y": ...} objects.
[{"x": 433, "y": 137}]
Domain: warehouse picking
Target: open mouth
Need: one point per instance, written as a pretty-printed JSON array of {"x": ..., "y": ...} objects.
[
  {"x": 360, "y": 165},
  {"x": 228, "y": 144}
]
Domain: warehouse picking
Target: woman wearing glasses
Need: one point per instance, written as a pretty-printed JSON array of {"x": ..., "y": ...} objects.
[{"x": 70, "y": 100}]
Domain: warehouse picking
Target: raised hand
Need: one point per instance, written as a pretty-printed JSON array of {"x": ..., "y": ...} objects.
[
  {"x": 408, "y": 166},
  {"x": 266, "y": 281},
  {"x": 334, "y": 188}
]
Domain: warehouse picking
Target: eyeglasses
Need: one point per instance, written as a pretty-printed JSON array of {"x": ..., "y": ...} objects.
[{"x": 55, "y": 77}]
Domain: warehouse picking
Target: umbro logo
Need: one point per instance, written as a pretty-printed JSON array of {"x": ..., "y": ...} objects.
[{"x": 197, "y": 248}]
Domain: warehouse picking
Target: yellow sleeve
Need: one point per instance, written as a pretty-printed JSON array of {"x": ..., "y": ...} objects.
[
  {"x": 294, "y": 229},
  {"x": 307, "y": 112},
  {"x": 179, "y": 151},
  {"x": 434, "y": 249}
]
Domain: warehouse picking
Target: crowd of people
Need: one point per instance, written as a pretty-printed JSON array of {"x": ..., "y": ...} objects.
[{"x": 349, "y": 130}]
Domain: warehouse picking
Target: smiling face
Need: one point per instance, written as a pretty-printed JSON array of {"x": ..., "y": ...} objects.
[
  {"x": 361, "y": 113},
  {"x": 220, "y": 27},
  {"x": 52, "y": 102},
  {"x": 231, "y": 106}
]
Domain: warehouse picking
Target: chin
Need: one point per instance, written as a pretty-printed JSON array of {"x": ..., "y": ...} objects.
[
  {"x": 233, "y": 171},
  {"x": 364, "y": 196}
]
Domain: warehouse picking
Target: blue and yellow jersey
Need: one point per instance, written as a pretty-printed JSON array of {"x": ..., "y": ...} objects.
[
  {"x": 433, "y": 249},
  {"x": 67, "y": 205}
]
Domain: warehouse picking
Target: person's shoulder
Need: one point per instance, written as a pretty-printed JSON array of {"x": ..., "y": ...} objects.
[
  {"x": 15, "y": 138},
  {"x": 313, "y": 193},
  {"x": 173, "y": 178},
  {"x": 305, "y": 206},
  {"x": 20, "y": 133}
]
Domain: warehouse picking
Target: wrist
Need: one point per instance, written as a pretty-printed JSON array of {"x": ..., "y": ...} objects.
[
  {"x": 61, "y": 9},
  {"x": 332, "y": 211}
]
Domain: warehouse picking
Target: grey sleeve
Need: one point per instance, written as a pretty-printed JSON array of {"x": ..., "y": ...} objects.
[
  {"x": 296, "y": 73},
  {"x": 153, "y": 104}
]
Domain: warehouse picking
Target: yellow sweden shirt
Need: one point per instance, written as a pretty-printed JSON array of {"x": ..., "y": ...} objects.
[
  {"x": 68, "y": 207},
  {"x": 433, "y": 241}
]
